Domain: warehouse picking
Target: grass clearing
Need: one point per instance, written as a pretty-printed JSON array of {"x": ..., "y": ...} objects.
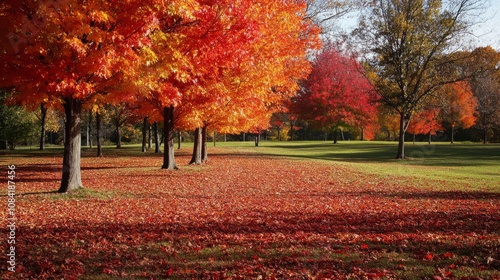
[{"x": 469, "y": 166}]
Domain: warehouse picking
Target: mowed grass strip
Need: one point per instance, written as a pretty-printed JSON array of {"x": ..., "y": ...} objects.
[{"x": 468, "y": 166}]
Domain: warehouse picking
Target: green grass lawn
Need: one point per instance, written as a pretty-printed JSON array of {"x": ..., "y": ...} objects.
[{"x": 470, "y": 166}]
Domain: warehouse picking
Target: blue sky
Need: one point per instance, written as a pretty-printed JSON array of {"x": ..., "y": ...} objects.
[{"x": 487, "y": 30}]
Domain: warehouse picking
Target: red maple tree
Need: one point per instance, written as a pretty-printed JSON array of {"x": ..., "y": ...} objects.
[{"x": 336, "y": 93}]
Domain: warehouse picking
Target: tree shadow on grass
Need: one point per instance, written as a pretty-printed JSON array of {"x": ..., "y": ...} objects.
[
  {"x": 425, "y": 194},
  {"x": 421, "y": 154},
  {"x": 272, "y": 240}
]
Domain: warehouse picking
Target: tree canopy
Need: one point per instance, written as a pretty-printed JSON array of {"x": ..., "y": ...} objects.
[
  {"x": 413, "y": 51},
  {"x": 187, "y": 59}
]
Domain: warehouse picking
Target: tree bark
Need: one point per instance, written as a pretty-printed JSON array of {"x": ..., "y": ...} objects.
[
  {"x": 204, "y": 138},
  {"x": 71, "y": 176},
  {"x": 335, "y": 140},
  {"x": 452, "y": 135},
  {"x": 257, "y": 140},
  {"x": 196, "y": 157},
  {"x": 98, "y": 136},
  {"x": 430, "y": 138},
  {"x": 43, "y": 117},
  {"x": 485, "y": 135},
  {"x": 90, "y": 130},
  {"x": 401, "y": 141},
  {"x": 157, "y": 137},
  {"x": 118, "y": 137},
  {"x": 150, "y": 137},
  {"x": 168, "y": 153},
  {"x": 179, "y": 139},
  {"x": 144, "y": 134},
  {"x": 362, "y": 134}
]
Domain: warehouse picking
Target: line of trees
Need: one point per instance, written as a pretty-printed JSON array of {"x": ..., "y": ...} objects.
[
  {"x": 187, "y": 64},
  {"x": 243, "y": 66}
]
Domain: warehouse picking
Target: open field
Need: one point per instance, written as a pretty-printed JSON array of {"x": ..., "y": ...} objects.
[{"x": 299, "y": 210}]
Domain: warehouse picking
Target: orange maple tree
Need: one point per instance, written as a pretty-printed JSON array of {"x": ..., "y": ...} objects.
[
  {"x": 456, "y": 106},
  {"x": 232, "y": 64},
  {"x": 426, "y": 122},
  {"x": 459, "y": 106},
  {"x": 68, "y": 52}
]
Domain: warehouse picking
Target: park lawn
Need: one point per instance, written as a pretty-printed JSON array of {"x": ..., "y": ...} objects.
[
  {"x": 299, "y": 210},
  {"x": 469, "y": 166}
]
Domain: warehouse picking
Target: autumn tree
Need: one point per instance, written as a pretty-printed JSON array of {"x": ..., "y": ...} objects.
[
  {"x": 72, "y": 50},
  {"x": 336, "y": 93},
  {"x": 229, "y": 57},
  {"x": 485, "y": 84},
  {"x": 388, "y": 123},
  {"x": 49, "y": 119},
  {"x": 458, "y": 106},
  {"x": 426, "y": 122},
  {"x": 119, "y": 115},
  {"x": 409, "y": 46}
]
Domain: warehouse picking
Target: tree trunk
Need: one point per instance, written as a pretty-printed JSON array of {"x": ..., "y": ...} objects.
[
  {"x": 71, "y": 176},
  {"x": 90, "y": 129},
  {"x": 485, "y": 135},
  {"x": 244, "y": 136},
  {"x": 144, "y": 134},
  {"x": 204, "y": 138},
  {"x": 179, "y": 139},
  {"x": 413, "y": 138},
  {"x": 87, "y": 136},
  {"x": 401, "y": 141},
  {"x": 168, "y": 132},
  {"x": 342, "y": 134},
  {"x": 452, "y": 135},
  {"x": 157, "y": 138},
  {"x": 257, "y": 139},
  {"x": 362, "y": 134},
  {"x": 291, "y": 130},
  {"x": 335, "y": 140},
  {"x": 279, "y": 134},
  {"x": 430, "y": 138},
  {"x": 196, "y": 157},
  {"x": 150, "y": 137},
  {"x": 215, "y": 134},
  {"x": 43, "y": 117},
  {"x": 98, "y": 128},
  {"x": 118, "y": 137}
]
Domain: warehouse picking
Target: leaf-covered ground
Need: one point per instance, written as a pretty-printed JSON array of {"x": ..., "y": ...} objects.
[{"x": 245, "y": 216}]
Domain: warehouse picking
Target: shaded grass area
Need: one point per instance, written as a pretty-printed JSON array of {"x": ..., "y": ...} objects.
[
  {"x": 470, "y": 166},
  {"x": 276, "y": 211}
]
